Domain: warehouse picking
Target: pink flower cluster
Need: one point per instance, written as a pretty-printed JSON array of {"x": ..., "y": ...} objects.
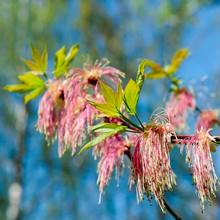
[
  {"x": 111, "y": 153},
  {"x": 177, "y": 107},
  {"x": 64, "y": 111},
  {"x": 199, "y": 158},
  {"x": 50, "y": 107},
  {"x": 151, "y": 162},
  {"x": 207, "y": 119}
]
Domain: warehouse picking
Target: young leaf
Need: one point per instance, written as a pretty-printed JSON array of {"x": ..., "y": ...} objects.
[
  {"x": 44, "y": 59},
  {"x": 33, "y": 84},
  {"x": 178, "y": 58},
  {"x": 59, "y": 58},
  {"x": 131, "y": 96},
  {"x": 156, "y": 75},
  {"x": 140, "y": 74},
  {"x": 36, "y": 56},
  {"x": 18, "y": 88},
  {"x": 106, "y": 109},
  {"x": 154, "y": 66},
  {"x": 102, "y": 137},
  {"x": 119, "y": 96},
  {"x": 104, "y": 127},
  {"x": 40, "y": 65},
  {"x": 34, "y": 94},
  {"x": 33, "y": 66},
  {"x": 109, "y": 95},
  {"x": 71, "y": 54},
  {"x": 60, "y": 71},
  {"x": 31, "y": 80}
]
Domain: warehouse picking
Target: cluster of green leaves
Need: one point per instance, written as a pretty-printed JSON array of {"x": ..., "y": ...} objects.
[
  {"x": 112, "y": 107},
  {"x": 158, "y": 72},
  {"x": 32, "y": 83},
  {"x": 39, "y": 66},
  {"x": 113, "y": 101},
  {"x": 108, "y": 130},
  {"x": 62, "y": 61}
]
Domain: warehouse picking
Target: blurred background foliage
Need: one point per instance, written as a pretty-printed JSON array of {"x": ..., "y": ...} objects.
[{"x": 34, "y": 182}]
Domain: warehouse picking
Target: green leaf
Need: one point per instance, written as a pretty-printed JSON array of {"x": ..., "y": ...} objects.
[
  {"x": 105, "y": 127},
  {"x": 107, "y": 110},
  {"x": 131, "y": 96},
  {"x": 59, "y": 58},
  {"x": 44, "y": 59},
  {"x": 154, "y": 66},
  {"x": 178, "y": 58},
  {"x": 33, "y": 84},
  {"x": 59, "y": 71},
  {"x": 102, "y": 137},
  {"x": 31, "y": 80},
  {"x": 33, "y": 66},
  {"x": 140, "y": 74},
  {"x": 109, "y": 95},
  {"x": 36, "y": 56},
  {"x": 34, "y": 94},
  {"x": 71, "y": 54},
  {"x": 18, "y": 88},
  {"x": 119, "y": 96},
  {"x": 156, "y": 75}
]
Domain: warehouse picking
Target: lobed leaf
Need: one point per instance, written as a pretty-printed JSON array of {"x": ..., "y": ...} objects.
[
  {"x": 33, "y": 84},
  {"x": 154, "y": 66},
  {"x": 33, "y": 66},
  {"x": 31, "y": 80},
  {"x": 107, "y": 110},
  {"x": 36, "y": 56},
  {"x": 18, "y": 88},
  {"x": 104, "y": 127},
  {"x": 131, "y": 96},
  {"x": 102, "y": 137},
  {"x": 34, "y": 94},
  {"x": 71, "y": 54},
  {"x": 119, "y": 96},
  {"x": 44, "y": 59},
  {"x": 109, "y": 95},
  {"x": 40, "y": 64},
  {"x": 140, "y": 74},
  {"x": 178, "y": 58},
  {"x": 156, "y": 75},
  {"x": 59, "y": 58}
]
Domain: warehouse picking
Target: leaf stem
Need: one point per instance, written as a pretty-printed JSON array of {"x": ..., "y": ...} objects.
[
  {"x": 130, "y": 122},
  {"x": 139, "y": 121},
  {"x": 45, "y": 75},
  {"x": 132, "y": 131}
]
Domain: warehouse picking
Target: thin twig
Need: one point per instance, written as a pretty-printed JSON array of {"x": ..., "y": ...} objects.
[{"x": 171, "y": 211}]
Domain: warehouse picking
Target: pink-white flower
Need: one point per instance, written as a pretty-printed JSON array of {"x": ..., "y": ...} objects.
[
  {"x": 75, "y": 114},
  {"x": 199, "y": 158},
  {"x": 111, "y": 153},
  {"x": 152, "y": 172},
  {"x": 207, "y": 119},
  {"x": 177, "y": 107},
  {"x": 50, "y": 107}
]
